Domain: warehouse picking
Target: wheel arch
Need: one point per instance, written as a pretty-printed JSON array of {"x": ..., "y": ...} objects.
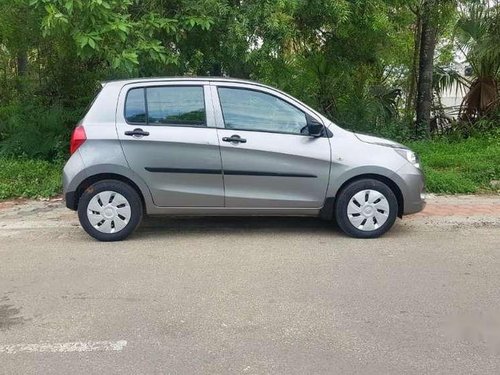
[
  {"x": 88, "y": 181},
  {"x": 329, "y": 206}
]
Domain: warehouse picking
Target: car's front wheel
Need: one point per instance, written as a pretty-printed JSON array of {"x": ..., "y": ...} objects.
[
  {"x": 366, "y": 208},
  {"x": 110, "y": 210}
]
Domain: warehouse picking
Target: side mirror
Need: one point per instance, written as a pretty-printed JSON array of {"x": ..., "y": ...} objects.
[{"x": 314, "y": 127}]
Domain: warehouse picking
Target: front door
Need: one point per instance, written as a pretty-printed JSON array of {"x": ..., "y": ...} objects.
[
  {"x": 168, "y": 140},
  {"x": 268, "y": 159}
]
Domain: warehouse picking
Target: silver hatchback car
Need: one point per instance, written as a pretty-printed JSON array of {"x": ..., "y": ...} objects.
[{"x": 213, "y": 146}]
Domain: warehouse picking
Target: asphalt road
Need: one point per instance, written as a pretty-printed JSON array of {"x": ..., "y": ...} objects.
[{"x": 251, "y": 296}]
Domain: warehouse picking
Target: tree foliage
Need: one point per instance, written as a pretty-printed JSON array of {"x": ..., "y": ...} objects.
[
  {"x": 111, "y": 31},
  {"x": 354, "y": 60}
]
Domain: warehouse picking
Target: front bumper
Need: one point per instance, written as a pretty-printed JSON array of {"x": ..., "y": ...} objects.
[
  {"x": 413, "y": 189},
  {"x": 414, "y": 207},
  {"x": 70, "y": 199}
]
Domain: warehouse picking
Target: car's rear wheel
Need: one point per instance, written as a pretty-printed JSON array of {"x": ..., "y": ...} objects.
[
  {"x": 110, "y": 210},
  {"x": 366, "y": 208}
]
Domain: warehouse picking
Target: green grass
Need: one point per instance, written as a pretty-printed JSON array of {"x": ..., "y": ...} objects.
[
  {"x": 451, "y": 167},
  {"x": 29, "y": 178},
  {"x": 465, "y": 166}
]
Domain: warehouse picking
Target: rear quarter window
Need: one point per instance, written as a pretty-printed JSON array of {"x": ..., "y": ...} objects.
[{"x": 135, "y": 106}]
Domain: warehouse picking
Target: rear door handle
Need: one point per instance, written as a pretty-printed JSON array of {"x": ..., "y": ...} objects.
[
  {"x": 137, "y": 133},
  {"x": 234, "y": 138}
]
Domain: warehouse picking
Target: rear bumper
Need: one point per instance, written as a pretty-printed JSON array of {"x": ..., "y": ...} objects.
[{"x": 73, "y": 174}]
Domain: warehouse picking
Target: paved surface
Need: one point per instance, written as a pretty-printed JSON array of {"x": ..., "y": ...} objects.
[
  {"x": 465, "y": 205},
  {"x": 251, "y": 295}
]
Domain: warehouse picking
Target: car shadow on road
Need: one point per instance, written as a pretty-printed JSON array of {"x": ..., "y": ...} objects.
[{"x": 235, "y": 225}]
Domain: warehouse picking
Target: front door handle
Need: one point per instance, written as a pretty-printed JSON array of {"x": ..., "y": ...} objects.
[
  {"x": 234, "y": 138},
  {"x": 137, "y": 133}
]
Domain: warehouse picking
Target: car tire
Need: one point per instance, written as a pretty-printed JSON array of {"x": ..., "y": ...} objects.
[
  {"x": 110, "y": 210},
  {"x": 366, "y": 208}
]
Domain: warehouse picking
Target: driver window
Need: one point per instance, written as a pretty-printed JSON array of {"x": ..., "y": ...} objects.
[{"x": 253, "y": 110}]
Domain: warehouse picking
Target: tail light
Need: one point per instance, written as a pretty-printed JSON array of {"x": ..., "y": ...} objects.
[{"x": 77, "y": 139}]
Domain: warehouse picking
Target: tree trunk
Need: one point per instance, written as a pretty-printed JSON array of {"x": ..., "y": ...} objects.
[
  {"x": 22, "y": 69},
  {"x": 413, "y": 79},
  {"x": 216, "y": 70},
  {"x": 426, "y": 65},
  {"x": 22, "y": 63}
]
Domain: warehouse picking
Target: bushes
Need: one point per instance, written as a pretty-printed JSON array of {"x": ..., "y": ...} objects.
[
  {"x": 29, "y": 178},
  {"x": 34, "y": 141},
  {"x": 36, "y": 132}
]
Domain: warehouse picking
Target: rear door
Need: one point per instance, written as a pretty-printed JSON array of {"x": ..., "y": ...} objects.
[
  {"x": 269, "y": 160},
  {"x": 168, "y": 136}
]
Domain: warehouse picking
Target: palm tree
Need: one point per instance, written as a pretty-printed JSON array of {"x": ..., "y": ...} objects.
[{"x": 478, "y": 37}]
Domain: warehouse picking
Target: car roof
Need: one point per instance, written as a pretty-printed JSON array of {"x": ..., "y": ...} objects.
[
  {"x": 184, "y": 78},
  {"x": 124, "y": 82}
]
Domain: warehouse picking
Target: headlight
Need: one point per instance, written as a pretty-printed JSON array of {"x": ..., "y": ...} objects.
[{"x": 409, "y": 155}]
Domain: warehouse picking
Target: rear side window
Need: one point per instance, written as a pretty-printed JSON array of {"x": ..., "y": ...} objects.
[
  {"x": 172, "y": 105},
  {"x": 135, "y": 107}
]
